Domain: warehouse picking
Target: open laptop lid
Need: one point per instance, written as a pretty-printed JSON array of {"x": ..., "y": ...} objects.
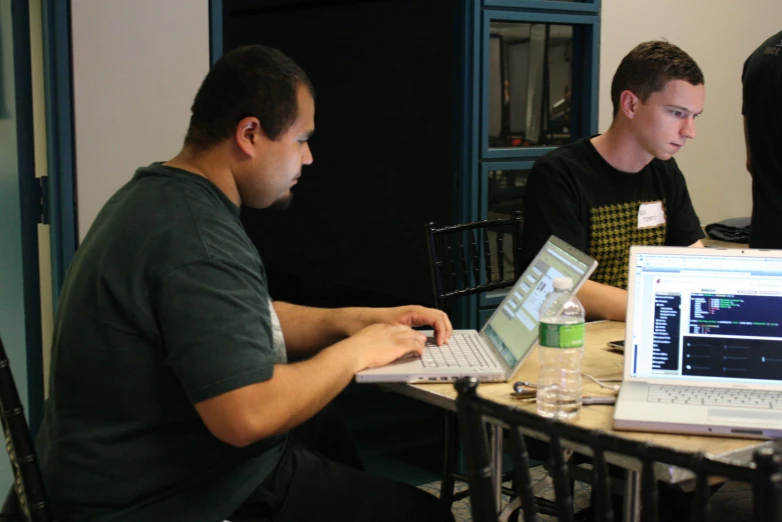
[
  {"x": 513, "y": 327},
  {"x": 704, "y": 317}
]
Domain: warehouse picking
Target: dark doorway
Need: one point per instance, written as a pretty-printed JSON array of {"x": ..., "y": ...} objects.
[{"x": 385, "y": 74}]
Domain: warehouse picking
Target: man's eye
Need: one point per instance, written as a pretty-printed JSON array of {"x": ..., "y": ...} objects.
[{"x": 678, "y": 114}]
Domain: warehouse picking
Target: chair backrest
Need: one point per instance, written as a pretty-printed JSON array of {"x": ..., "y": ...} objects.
[
  {"x": 764, "y": 473},
  {"x": 28, "y": 481},
  {"x": 471, "y": 258}
]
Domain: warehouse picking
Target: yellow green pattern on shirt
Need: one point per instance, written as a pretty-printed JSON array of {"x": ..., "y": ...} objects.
[{"x": 613, "y": 229}]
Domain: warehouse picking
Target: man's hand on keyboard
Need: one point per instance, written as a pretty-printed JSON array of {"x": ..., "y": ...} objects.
[
  {"x": 414, "y": 315},
  {"x": 379, "y": 344},
  {"x": 421, "y": 316}
]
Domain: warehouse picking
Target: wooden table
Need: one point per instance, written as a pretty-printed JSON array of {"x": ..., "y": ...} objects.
[{"x": 601, "y": 362}]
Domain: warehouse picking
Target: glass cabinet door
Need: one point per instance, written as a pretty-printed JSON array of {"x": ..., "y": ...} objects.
[
  {"x": 505, "y": 190},
  {"x": 530, "y": 84},
  {"x": 503, "y": 183}
]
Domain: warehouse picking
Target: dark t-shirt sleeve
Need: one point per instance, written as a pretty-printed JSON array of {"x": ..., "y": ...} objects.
[
  {"x": 551, "y": 206},
  {"x": 216, "y": 329},
  {"x": 684, "y": 227}
]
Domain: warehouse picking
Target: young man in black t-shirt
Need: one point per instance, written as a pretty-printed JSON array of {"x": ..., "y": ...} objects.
[
  {"x": 608, "y": 192},
  {"x": 762, "y": 110}
]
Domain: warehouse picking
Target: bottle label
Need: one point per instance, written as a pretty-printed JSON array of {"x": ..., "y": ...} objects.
[{"x": 561, "y": 335}]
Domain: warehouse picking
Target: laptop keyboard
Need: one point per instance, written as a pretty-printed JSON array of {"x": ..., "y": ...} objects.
[
  {"x": 461, "y": 352},
  {"x": 714, "y": 396}
]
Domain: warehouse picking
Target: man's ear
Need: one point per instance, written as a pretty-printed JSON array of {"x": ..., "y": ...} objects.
[
  {"x": 248, "y": 133},
  {"x": 628, "y": 103}
]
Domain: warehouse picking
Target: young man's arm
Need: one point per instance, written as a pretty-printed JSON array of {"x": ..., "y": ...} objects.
[
  {"x": 603, "y": 301},
  {"x": 607, "y": 302},
  {"x": 297, "y": 391},
  {"x": 307, "y": 330}
]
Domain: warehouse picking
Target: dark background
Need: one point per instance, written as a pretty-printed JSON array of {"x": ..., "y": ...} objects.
[{"x": 385, "y": 76}]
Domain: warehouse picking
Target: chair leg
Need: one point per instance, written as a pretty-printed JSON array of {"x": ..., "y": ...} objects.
[{"x": 448, "y": 482}]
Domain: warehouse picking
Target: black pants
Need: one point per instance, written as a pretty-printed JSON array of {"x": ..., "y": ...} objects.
[{"x": 320, "y": 477}]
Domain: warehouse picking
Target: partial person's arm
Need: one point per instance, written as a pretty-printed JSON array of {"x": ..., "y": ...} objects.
[
  {"x": 298, "y": 391},
  {"x": 603, "y": 301},
  {"x": 307, "y": 330},
  {"x": 746, "y": 146},
  {"x": 607, "y": 302}
]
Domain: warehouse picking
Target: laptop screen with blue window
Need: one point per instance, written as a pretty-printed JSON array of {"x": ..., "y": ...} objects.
[{"x": 704, "y": 315}]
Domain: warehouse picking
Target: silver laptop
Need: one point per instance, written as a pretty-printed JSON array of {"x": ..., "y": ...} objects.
[
  {"x": 703, "y": 346},
  {"x": 507, "y": 338}
]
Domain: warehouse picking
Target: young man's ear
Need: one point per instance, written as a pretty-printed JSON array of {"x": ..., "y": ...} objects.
[
  {"x": 628, "y": 103},
  {"x": 248, "y": 133}
]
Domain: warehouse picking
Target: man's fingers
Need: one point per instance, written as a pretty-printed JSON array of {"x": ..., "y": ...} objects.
[
  {"x": 443, "y": 329},
  {"x": 419, "y": 340}
]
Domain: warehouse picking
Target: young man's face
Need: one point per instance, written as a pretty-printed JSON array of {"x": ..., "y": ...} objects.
[
  {"x": 664, "y": 123},
  {"x": 277, "y": 165}
]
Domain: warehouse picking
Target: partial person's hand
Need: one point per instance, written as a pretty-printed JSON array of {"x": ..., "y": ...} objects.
[
  {"x": 379, "y": 344},
  {"x": 415, "y": 315}
]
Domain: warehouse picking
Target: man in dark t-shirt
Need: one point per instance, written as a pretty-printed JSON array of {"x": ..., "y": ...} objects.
[
  {"x": 170, "y": 395},
  {"x": 608, "y": 192},
  {"x": 762, "y": 110}
]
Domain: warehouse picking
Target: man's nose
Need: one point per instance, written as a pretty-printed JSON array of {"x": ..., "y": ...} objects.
[
  {"x": 306, "y": 158},
  {"x": 688, "y": 129}
]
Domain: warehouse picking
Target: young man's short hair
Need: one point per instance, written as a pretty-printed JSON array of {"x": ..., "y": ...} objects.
[
  {"x": 649, "y": 66},
  {"x": 253, "y": 80}
]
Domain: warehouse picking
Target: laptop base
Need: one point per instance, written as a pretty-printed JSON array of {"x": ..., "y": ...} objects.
[{"x": 634, "y": 413}]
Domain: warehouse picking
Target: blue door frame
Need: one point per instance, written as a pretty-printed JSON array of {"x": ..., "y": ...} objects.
[
  {"x": 58, "y": 83},
  {"x": 25, "y": 249}
]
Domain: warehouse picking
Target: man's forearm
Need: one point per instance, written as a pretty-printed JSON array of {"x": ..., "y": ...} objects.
[
  {"x": 303, "y": 389},
  {"x": 294, "y": 393},
  {"x": 603, "y": 301},
  {"x": 298, "y": 390},
  {"x": 307, "y": 330}
]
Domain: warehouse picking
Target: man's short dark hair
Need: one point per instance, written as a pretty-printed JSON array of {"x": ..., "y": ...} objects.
[
  {"x": 254, "y": 80},
  {"x": 649, "y": 67}
]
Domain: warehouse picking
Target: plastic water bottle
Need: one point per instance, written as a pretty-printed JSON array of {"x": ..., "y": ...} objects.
[{"x": 561, "y": 347}]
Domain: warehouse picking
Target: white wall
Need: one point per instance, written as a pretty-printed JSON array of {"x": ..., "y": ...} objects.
[
  {"x": 136, "y": 67},
  {"x": 719, "y": 35}
]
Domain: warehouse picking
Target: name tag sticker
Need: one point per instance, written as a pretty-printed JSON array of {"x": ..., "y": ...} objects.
[{"x": 651, "y": 215}]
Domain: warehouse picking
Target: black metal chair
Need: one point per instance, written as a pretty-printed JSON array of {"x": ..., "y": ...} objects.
[
  {"x": 469, "y": 259},
  {"x": 27, "y": 499},
  {"x": 764, "y": 473},
  {"x": 473, "y": 258}
]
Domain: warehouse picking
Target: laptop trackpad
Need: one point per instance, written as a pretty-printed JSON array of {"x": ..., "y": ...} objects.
[{"x": 750, "y": 415}]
